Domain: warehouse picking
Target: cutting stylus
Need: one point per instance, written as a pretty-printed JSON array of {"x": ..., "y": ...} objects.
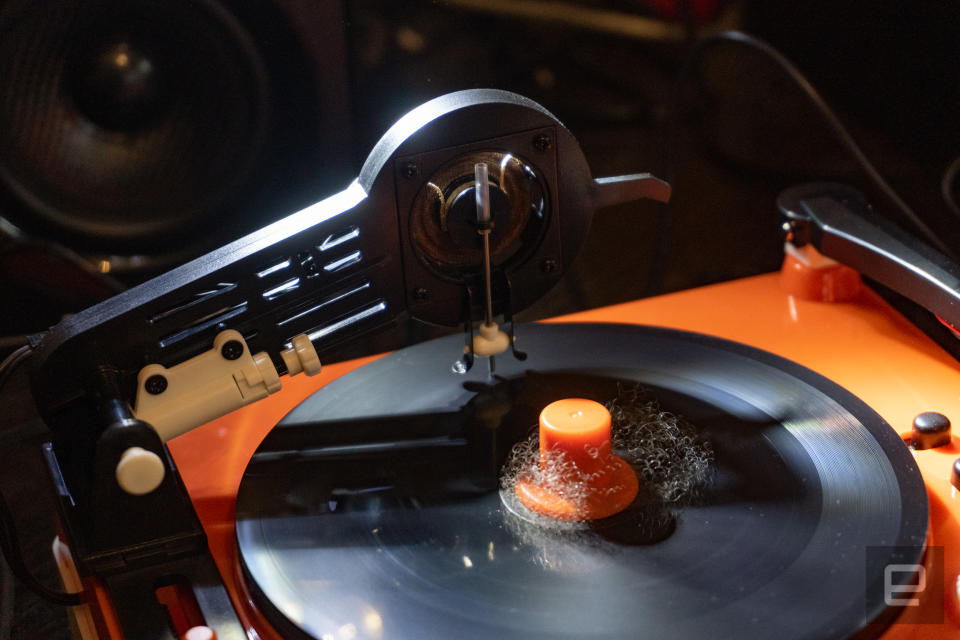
[{"x": 482, "y": 189}]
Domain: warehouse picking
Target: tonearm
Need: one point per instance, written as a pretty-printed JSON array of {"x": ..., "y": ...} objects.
[{"x": 468, "y": 209}]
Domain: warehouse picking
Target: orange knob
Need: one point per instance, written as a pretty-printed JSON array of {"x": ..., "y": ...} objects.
[
  {"x": 808, "y": 275},
  {"x": 582, "y": 479}
]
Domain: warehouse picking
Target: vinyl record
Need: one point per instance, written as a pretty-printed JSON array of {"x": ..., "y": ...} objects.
[{"x": 374, "y": 509}]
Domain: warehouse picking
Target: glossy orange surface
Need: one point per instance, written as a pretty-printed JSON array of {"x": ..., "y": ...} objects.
[
  {"x": 833, "y": 282},
  {"x": 862, "y": 344},
  {"x": 212, "y": 459}
]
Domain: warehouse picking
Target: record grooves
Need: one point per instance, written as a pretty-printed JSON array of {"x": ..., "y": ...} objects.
[{"x": 373, "y": 508}]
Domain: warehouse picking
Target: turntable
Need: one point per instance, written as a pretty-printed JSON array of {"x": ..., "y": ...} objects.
[{"x": 774, "y": 474}]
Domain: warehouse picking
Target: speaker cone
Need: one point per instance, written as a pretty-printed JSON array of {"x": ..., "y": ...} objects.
[{"x": 126, "y": 125}]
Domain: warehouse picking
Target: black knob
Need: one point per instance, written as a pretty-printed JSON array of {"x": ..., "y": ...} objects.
[
  {"x": 930, "y": 429},
  {"x": 955, "y": 474}
]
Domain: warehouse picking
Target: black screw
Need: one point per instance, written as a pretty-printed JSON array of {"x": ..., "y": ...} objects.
[
  {"x": 549, "y": 266},
  {"x": 232, "y": 349},
  {"x": 420, "y": 294},
  {"x": 542, "y": 142},
  {"x": 411, "y": 170},
  {"x": 155, "y": 384}
]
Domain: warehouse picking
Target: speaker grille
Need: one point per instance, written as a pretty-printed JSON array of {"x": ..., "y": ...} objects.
[{"x": 126, "y": 121}]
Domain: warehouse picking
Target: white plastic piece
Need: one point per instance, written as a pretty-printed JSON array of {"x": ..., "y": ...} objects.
[
  {"x": 81, "y": 614},
  {"x": 490, "y": 340},
  {"x": 301, "y": 356},
  {"x": 808, "y": 256},
  {"x": 139, "y": 471},
  {"x": 200, "y": 633},
  {"x": 204, "y": 387},
  {"x": 68, "y": 574}
]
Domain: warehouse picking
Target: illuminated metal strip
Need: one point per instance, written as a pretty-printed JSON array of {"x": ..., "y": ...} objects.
[
  {"x": 335, "y": 298},
  {"x": 343, "y": 262},
  {"x": 222, "y": 287},
  {"x": 335, "y": 241},
  {"x": 201, "y": 325},
  {"x": 276, "y": 292},
  {"x": 277, "y": 267},
  {"x": 323, "y": 332}
]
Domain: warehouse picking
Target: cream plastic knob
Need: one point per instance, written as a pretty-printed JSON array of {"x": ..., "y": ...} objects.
[
  {"x": 200, "y": 633},
  {"x": 139, "y": 471},
  {"x": 301, "y": 356},
  {"x": 307, "y": 354},
  {"x": 490, "y": 340},
  {"x": 267, "y": 372}
]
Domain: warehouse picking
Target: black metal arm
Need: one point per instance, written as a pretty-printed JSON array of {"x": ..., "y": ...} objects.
[
  {"x": 353, "y": 273},
  {"x": 837, "y": 220}
]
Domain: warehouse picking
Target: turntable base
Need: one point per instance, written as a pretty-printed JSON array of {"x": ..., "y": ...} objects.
[
  {"x": 351, "y": 515},
  {"x": 863, "y": 346}
]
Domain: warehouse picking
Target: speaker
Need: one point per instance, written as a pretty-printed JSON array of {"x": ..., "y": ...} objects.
[{"x": 141, "y": 132}]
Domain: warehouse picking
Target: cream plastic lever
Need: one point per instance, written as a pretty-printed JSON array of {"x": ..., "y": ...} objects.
[{"x": 177, "y": 399}]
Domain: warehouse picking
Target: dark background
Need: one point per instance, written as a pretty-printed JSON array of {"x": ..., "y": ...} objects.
[
  {"x": 337, "y": 75},
  {"x": 334, "y": 76}
]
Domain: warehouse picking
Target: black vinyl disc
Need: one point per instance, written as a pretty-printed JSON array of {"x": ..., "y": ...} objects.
[{"x": 373, "y": 509}]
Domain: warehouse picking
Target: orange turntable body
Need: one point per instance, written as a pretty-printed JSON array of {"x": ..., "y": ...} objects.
[{"x": 862, "y": 344}]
